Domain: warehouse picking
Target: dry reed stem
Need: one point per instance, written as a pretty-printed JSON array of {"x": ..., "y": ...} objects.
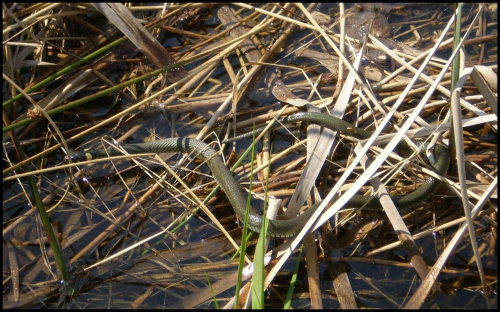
[{"x": 215, "y": 91}]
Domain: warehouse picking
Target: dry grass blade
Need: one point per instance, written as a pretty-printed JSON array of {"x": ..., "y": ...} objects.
[
  {"x": 429, "y": 281},
  {"x": 369, "y": 172},
  {"x": 319, "y": 147},
  {"x": 400, "y": 228},
  {"x": 127, "y": 23},
  {"x": 459, "y": 144},
  {"x": 427, "y": 233},
  {"x": 128, "y": 73}
]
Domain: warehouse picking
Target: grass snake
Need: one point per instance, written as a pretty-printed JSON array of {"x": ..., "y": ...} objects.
[{"x": 283, "y": 228}]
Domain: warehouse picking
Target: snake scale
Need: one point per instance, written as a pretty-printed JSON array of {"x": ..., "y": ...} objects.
[{"x": 290, "y": 227}]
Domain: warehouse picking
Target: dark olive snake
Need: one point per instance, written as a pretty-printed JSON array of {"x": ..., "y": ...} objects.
[{"x": 283, "y": 228}]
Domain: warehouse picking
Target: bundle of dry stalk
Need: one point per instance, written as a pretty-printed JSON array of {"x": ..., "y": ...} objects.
[{"x": 151, "y": 231}]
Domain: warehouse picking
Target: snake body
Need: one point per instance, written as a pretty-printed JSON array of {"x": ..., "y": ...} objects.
[{"x": 290, "y": 227}]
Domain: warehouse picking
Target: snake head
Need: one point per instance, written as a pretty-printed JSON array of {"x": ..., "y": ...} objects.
[{"x": 78, "y": 156}]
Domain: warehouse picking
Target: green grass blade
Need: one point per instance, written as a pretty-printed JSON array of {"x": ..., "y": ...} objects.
[
  {"x": 291, "y": 288},
  {"x": 37, "y": 199},
  {"x": 66, "y": 70},
  {"x": 241, "y": 264}
]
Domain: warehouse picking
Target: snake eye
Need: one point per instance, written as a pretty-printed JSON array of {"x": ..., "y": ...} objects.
[{"x": 66, "y": 158}]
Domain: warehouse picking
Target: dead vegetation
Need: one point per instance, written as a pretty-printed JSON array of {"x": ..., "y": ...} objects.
[{"x": 143, "y": 231}]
